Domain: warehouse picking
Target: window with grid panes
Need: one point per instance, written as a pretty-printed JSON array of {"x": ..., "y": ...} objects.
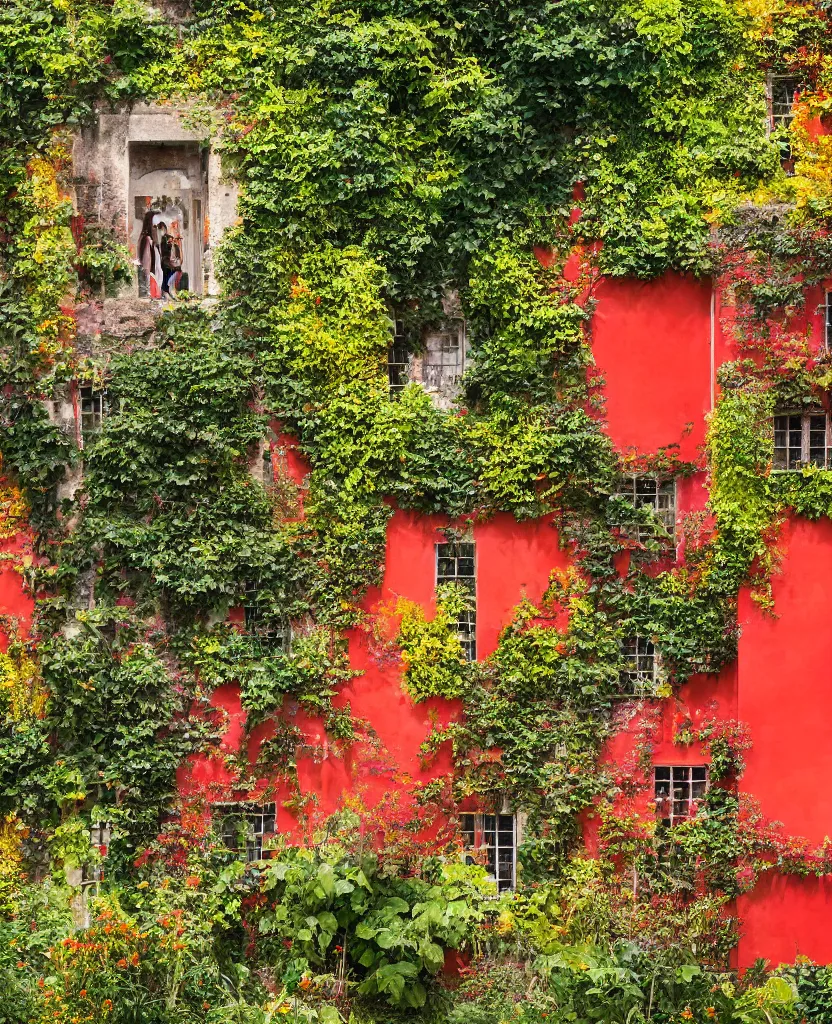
[
  {"x": 244, "y": 826},
  {"x": 444, "y": 359},
  {"x": 657, "y": 494},
  {"x": 270, "y": 631},
  {"x": 783, "y": 90},
  {"x": 641, "y": 665},
  {"x": 491, "y": 840},
  {"x": 801, "y": 439},
  {"x": 93, "y": 407},
  {"x": 455, "y": 563},
  {"x": 678, "y": 790},
  {"x": 397, "y": 359}
]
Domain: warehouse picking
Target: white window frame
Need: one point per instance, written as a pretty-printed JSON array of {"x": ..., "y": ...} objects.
[
  {"x": 676, "y": 793},
  {"x": 92, "y": 418},
  {"x": 475, "y": 828},
  {"x": 787, "y": 431},
  {"x": 634, "y": 488},
  {"x": 257, "y": 816},
  {"x": 467, "y": 622},
  {"x": 642, "y": 680}
]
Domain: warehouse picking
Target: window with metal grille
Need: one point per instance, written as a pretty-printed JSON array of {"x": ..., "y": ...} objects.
[
  {"x": 444, "y": 359},
  {"x": 491, "y": 840},
  {"x": 94, "y": 408},
  {"x": 801, "y": 439},
  {"x": 398, "y": 359},
  {"x": 655, "y": 493},
  {"x": 678, "y": 790},
  {"x": 783, "y": 91},
  {"x": 270, "y": 631},
  {"x": 456, "y": 563},
  {"x": 640, "y": 674},
  {"x": 243, "y": 826}
]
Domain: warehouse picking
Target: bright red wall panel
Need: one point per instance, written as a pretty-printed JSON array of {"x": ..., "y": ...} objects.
[{"x": 652, "y": 342}]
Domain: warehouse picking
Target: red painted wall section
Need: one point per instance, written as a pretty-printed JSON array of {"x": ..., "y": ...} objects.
[
  {"x": 14, "y": 602},
  {"x": 657, "y": 722},
  {"x": 785, "y": 917},
  {"x": 786, "y": 685},
  {"x": 651, "y": 341},
  {"x": 785, "y": 692},
  {"x": 514, "y": 560}
]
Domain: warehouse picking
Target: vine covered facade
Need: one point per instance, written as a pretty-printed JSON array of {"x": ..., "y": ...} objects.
[{"x": 414, "y": 511}]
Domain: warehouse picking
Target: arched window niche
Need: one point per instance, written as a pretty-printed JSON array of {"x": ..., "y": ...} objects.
[{"x": 167, "y": 206}]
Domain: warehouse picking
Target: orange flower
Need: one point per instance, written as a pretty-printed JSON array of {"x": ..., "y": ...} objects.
[
  {"x": 122, "y": 962},
  {"x": 206, "y": 1006},
  {"x": 304, "y": 983},
  {"x": 134, "y": 959},
  {"x": 107, "y": 929},
  {"x": 83, "y": 993},
  {"x": 193, "y": 881},
  {"x": 107, "y": 1004},
  {"x": 687, "y": 1013},
  {"x": 711, "y": 1011}
]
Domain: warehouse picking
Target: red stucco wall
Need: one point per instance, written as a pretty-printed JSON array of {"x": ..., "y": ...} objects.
[
  {"x": 652, "y": 342},
  {"x": 658, "y": 345}
]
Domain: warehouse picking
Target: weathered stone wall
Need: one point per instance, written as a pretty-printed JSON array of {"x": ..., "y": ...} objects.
[{"x": 102, "y": 156}]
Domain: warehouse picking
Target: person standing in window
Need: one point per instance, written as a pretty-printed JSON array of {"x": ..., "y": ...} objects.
[{"x": 150, "y": 257}]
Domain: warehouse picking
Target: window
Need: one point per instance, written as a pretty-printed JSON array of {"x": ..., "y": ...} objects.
[
  {"x": 397, "y": 359},
  {"x": 677, "y": 792},
  {"x": 168, "y": 193},
  {"x": 641, "y": 672},
  {"x": 827, "y": 326},
  {"x": 657, "y": 494},
  {"x": 455, "y": 563},
  {"x": 801, "y": 439},
  {"x": 783, "y": 90},
  {"x": 244, "y": 826},
  {"x": 94, "y": 408},
  {"x": 444, "y": 358},
  {"x": 491, "y": 840},
  {"x": 271, "y": 632}
]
